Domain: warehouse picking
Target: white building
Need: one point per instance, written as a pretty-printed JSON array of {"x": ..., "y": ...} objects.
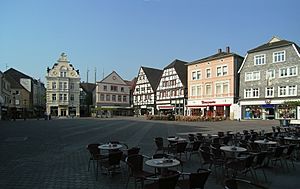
[
  {"x": 63, "y": 89},
  {"x": 112, "y": 96}
]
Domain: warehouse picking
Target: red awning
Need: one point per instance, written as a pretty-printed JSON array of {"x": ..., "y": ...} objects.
[{"x": 200, "y": 106}]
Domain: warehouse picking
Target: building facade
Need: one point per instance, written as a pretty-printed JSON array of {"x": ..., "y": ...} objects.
[
  {"x": 113, "y": 96},
  {"x": 269, "y": 77},
  {"x": 213, "y": 85},
  {"x": 87, "y": 95},
  {"x": 63, "y": 89},
  {"x": 170, "y": 94},
  {"x": 26, "y": 94},
  {"x": 144, "y": 94}
]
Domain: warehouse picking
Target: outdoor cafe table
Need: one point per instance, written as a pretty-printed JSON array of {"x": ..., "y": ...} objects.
[
  {"x": 292, "y": 138},
  {"x": 110, "y": 146},
  {"x": 265, "y": 142},
  {"x": 176, "y": 139},
  {"x": 163, "y": 164},
  {"x": 235, "y": 150}
]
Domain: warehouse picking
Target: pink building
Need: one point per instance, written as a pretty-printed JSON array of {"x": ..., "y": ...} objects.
[{"x": 213, "y": 84}]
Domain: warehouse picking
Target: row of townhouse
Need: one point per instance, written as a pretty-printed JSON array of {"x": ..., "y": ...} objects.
[
  {"x": 21, "y": 96},
  {"x": 225, "y": 84},
  {"x": 67, "y": 96}
]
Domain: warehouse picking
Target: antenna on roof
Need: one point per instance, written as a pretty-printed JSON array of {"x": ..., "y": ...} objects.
[
  {"x": 103, "y": 73},
  {"x": 95, "y": 74},
  {"x": 87, "y": 75}
]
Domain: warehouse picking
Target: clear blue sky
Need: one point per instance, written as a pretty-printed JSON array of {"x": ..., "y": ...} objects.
[{"x": 122, "y": 35}]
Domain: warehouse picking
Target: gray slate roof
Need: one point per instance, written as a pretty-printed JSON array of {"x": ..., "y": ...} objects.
[
  {"x": 181, "y": 69},
  {"x": 153, "y": 75},
  {"x": 268, "y": 46},
  {"x": 88, "y": 87}
]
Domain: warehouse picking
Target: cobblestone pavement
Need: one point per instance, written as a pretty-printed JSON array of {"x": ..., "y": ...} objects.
[{"x": 39, "y": 154}]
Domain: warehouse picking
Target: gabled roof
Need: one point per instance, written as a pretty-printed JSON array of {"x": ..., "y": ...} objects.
[
  {"x": 14, "y": 76},
  {"x": 153, "y": 76},
  {"x": 13, "y": 83},
  {"x": 88, "y": 87},
  {"x": 180, "y": 68},
  {"x": 112, "y": 73},
  {"x": 272, "y": 44},
  {"x": 214, "y": 57},
  {"x": 17, "y": 74}
]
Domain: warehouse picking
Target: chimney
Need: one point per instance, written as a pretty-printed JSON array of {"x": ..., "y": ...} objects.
[
  {"x": 227, "y": 49},
  {"x": 219, "y": 50}
]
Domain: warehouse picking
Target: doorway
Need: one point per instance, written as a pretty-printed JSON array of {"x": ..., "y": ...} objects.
[{"x": 63, "y": 112}]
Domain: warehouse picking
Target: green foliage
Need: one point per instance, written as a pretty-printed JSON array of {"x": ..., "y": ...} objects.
[{"x": 292, "y": 103}]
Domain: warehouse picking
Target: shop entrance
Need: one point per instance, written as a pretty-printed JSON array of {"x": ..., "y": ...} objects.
[
  {"x": 63, "y": 112},
  {"x": 270, "y": 113}
]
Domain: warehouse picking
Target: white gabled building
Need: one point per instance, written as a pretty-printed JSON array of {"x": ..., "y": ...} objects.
[
  {"x": 63, "y": 91},
  {"x": 112, "y": 96},
  {"x": 170, "y": 94}
]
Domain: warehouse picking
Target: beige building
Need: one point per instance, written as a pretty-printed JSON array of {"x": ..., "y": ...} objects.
[
  {"x": 213, "y": 85},
  {"x": 112, "y": 96},
  {"x": 63, "y": 89}
]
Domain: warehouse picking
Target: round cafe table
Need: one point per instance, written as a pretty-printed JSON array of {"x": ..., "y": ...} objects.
[
  {"x": 110, "y": 146},
  {"x": 176, "y": 139},
  {"x": 163, "y": 164},
  {"x": 234, "y": 150},
  {"x": 266, "y": 142}
]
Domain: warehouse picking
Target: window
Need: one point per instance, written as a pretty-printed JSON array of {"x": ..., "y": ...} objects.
[
  {"x": 208, "y": 73},
  {"x": 219, "y": 71},
  {"x": 256, "y": 76},
  {"x": 198, "y": 74},
  {"x": 222, "y": 70},
  {"x": 193, "y": 91},
  {"x": 60, "y": 85},
  {"x": 63, "y": 74},
  {"x": 199, "y": 92},
  {"x": 288, "y": 90},
  {"x": 208, "y": 90},
  {"x": 124, "y": 98},
  {"x": 53, "y": 85},
  {"x": 218, "y": 88},
  {"x": 119, "y": 98},
  {"x": 122, "y": 89},
  {"x": 225, "y": 70},
  {"x": 60, "y": 97},
  {"x": 107, "y": 97},
  {"x": 65, "y": 85},
  {"x": 71, "y": 85},
  {"x": 193, "y": 75},
  {"x": 248, "y": 93},
  {"x": 270, "y": 92},
  {"x": 270, "y": 74},
  {"x": 53, "y": 97},
  {"x": 65, "y": 97},
  {"x": 252, "y": 76},
  {"x": 293, "y": 71},
  {"x": 225, "y": 88},
  {"x": 104, "y": 88},
  {"x": 113, "y": 88},
  {"x": 259, "y": 59},
  {"x": 255, "y": 92},
  {"x": 72, "y": 97},
  {"x": 283, "y": 72},
  {"x": 101, "y": 97},
  {"x": 279, "y": 56},
  {"x": 251, "y": 93},
  {"x": 288, "y": 71},
  {"x": 113, "y": 98}
]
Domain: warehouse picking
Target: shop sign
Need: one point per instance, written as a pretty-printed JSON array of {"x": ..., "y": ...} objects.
[
  {"x": 208, "y": 102},
  {"x": 268, "y": 101}
]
